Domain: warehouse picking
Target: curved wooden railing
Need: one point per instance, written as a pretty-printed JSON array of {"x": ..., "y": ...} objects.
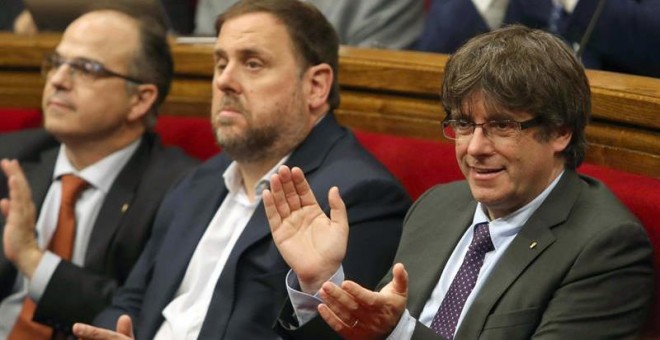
[{"x": 393, "y": 92}]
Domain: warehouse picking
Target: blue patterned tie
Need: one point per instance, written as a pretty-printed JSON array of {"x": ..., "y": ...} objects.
[{"x": 446, "y": 319}]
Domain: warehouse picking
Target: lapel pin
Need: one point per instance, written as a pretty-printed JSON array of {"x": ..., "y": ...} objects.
[
  {"x": 124, "y": 208},
  {"x": 533, "y": 245}
]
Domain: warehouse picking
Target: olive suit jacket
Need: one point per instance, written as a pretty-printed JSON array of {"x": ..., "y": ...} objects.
[
  {"x": 120, "y": 232},
  {"x": 580, "y": 267}
]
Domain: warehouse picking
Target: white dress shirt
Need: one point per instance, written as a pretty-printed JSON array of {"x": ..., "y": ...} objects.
[
  {"x": 185, "y": 314},
  {"x": 100, "y": 177}
]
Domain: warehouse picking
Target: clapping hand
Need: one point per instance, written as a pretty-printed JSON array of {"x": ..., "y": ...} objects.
[
  {"x": 312, "y": 244},
  {"x": 19, "y": 241},
  {"x": 87, "y": 332},
  {"x": 358, "y": 313}
]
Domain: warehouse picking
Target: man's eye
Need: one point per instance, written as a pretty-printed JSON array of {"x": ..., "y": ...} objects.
[
  {"x": 84, "y": 67},
  {"x": 253, "y": 64},
  {"x": 501, "y": 125},
  {"x": 90, "y": 67},
  {"x": 463, "y": 125}
]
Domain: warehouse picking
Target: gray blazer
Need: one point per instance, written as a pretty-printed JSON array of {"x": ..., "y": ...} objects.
[{"x": 589, "y": 275}]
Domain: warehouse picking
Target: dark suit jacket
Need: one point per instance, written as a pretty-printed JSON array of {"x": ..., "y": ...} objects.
[
  {"x": 74, "y": 293},
  {"x": 251, "y": 288},
  {"x": 589, "y": 276},
  {"x": 626, "y": 37}
]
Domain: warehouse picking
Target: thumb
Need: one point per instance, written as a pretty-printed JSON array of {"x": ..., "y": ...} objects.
[
  {"x": 337, "y": 207},
  {"x": 400, "y": 279},
  {"x": 125, "y": 326}
]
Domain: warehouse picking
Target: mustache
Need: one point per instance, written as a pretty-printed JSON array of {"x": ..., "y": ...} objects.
[
  {"x": 231, "y": 102},
  {"x": 55, "y": 97}
]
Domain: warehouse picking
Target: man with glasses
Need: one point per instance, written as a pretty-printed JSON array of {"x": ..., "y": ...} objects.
[
  {"x": 78, "y": 209},
  {"x": 523, "y": 248},
  {"x": 211, "y": 270}
]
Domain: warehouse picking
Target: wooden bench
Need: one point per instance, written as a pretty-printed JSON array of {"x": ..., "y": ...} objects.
[{"x": 390, "y": 98}]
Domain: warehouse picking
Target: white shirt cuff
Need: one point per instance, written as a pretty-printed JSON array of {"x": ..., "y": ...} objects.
[
  {"x": 43, "y": 273},
  {"x": 404, "y": 329},
  {"x": 304, "y": 305}
]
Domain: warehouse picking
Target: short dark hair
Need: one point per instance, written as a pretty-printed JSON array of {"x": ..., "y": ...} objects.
[
  {"x": 523, "y": 70},
  {"x": 152, "y": 62},
  {"x": 315, "y": 40}
]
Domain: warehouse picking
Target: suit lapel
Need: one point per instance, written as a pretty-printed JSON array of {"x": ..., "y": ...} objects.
[
  {"x": 426, "y": 269},
  {"x": 308, "y": 156},
  {"x": 202, "y": 199},
  {"x": 532, "y": 240},
  {"x": 40, "y": 176},
  {"x": 114, "y": 206}
]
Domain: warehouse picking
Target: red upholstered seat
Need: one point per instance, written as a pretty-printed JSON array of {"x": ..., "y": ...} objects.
[
  {"x": 15, "y": 119},
  {"x": 418, "y": 164},
  {"x": 192, "y": 134}
]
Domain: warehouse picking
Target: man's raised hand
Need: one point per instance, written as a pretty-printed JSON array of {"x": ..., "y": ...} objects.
[{"x": 312, "y": 244}]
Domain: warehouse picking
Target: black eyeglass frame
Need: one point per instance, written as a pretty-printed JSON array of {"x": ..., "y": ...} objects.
[
  {"x": 93, "y": 68},
  {"x": 522, "y": 125}
]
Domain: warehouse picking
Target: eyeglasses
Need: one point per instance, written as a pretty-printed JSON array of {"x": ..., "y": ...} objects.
[
  {"x": 87, "y": 70},
  {"x": 494, "y": 129}
]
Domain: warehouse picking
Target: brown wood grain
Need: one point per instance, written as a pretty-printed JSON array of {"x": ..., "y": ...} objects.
[{"x": 394, "y": 92}]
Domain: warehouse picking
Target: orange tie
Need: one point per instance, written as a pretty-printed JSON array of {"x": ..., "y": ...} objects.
[{"x": 62, "y": 245}]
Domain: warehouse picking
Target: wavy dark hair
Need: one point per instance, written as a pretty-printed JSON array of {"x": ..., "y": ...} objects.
[{"x": 520, "y": 69}]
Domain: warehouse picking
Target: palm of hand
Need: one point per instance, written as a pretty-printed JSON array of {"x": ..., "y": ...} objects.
[
  {"x": 19, "y": 212},
  {"x": 310, "y": 242},
  {"x": 379, "y": 318}
]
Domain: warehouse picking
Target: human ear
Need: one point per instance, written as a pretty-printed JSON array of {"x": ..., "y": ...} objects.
[
  {"x": 319, "y": 79},
  {"x": 144, "y": 96},
  {"x": 561, "y": 138}
]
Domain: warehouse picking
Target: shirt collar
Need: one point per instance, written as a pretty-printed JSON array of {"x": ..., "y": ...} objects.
[
  {"x": 101, "y": 174},
  {"x": 509, "y": 225},
  {"x": 234, "y": 181}
]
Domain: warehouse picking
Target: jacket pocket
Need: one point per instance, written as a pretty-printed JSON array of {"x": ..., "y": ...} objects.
[{"x": 515, "y": 318}]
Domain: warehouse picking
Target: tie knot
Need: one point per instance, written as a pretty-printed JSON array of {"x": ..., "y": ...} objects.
[
  {"x": 481, "y": 240},
  {"x": 72, "y": 186}
]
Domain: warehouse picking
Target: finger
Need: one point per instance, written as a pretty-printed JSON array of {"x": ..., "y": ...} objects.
[
  {"x": 360, "y": 294},
  {"x": 19, "y": 190},
  {"x": 279, "y": 197},
  {"x": 4, "y": 207},
  {"x": 125, "y": 326},
  {"x": 340, "y": 302},
  {"x": 400, "y": 279},
  {"x": 274, "y": 218},
  {"x": 303, "y": 189},
  {"x": 20, "y": 208},
  {"x": 4, "y": 163},
  {"x": 333, "y": 320},
  {"x": 88, "y": 332},
  {"x": 338, "y": 213},
  {"x": 288, "y": 187}
]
